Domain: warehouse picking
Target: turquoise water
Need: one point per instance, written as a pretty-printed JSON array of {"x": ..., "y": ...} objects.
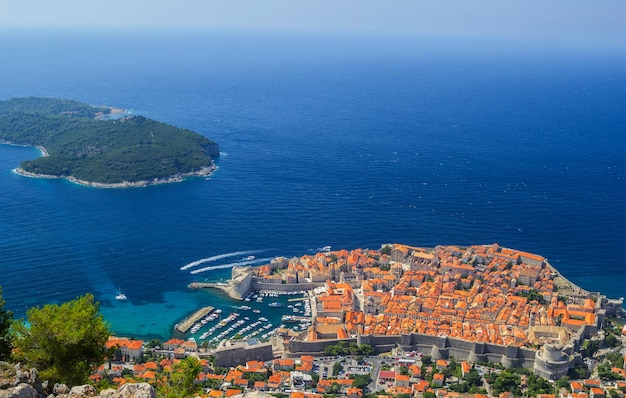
[{"x": 343, "y": 142}]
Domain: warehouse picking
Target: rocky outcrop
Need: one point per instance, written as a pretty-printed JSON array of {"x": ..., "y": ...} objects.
[
  {"x": 22, "y": 390},
  {"x": 19, "y": 382}
]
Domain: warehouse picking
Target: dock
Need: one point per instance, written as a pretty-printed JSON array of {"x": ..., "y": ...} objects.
[{"x": 188, "y": 322}]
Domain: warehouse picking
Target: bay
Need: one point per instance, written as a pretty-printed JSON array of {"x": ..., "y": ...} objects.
[{"x": 349, "y": 142}]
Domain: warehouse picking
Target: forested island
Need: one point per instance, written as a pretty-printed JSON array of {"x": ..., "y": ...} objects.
[{"x": 102, "y": 146}]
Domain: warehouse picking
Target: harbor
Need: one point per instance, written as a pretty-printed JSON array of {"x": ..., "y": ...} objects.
[{"x": 262, "y": 314}]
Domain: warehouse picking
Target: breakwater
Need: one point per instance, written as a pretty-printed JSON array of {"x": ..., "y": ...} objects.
[{"x": 188, "y": 322}]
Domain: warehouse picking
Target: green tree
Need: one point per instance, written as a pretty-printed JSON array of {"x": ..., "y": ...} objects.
[
  {"x": 386, "y": 249},
  {"x": 361, "y": 381},
  {"x": 64, "y": 342},
  {"x": 180, "y": 383},
  {"x": 336, "y": 368},
  {"x": 507, "y": 381},
  {"x": 6, "y": 318}
]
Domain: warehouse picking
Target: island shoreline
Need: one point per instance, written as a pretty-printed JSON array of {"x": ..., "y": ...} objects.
[{"x": 204, "y": 172}]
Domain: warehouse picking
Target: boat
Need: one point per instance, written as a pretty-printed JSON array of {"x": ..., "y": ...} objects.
[
  {"x": 249, "y": 258},
  {"x": 120, "y": 295},
  {"x": 275, "y": 304},
  {"x": 324, "y": 249}
]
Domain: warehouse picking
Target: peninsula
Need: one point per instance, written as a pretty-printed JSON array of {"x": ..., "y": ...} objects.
[
  {"x": 476, "y": 303},
  {"x": 102, "y": 146}
]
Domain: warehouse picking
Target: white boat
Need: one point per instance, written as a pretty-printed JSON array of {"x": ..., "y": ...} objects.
[{"x": 120, "y": 295}]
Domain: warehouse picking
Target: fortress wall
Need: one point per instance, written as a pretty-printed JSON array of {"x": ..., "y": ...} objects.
[
  {"x": 258, "y": 284},
  {"x": 233, "y": 356},
  {"x": 240, "y": 283},
  {"x": 463, "y": 345},
  {"x": 317, "y": 347},
  {"x": 436, "y": 346},
  {"x": 424, "y": 340}
]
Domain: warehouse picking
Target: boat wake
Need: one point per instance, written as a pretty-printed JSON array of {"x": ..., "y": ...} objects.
[
  {"x": 230, "y": 265},
  {"x": 218, "y": 257}
]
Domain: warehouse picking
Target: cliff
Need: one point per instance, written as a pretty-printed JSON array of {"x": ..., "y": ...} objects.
[{"x": 19, "y": 382}]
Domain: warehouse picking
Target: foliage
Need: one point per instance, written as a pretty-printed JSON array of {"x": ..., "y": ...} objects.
[
  {"x": 343, "y": 349},
  {"x": 64, "y": 342},
  {"x": 580, "y": 372},
  {"x": 253, "y": 377},
  {"x": 590, "y": 347},
  {"x": 605, "y": 372},
  {"x": 336, "y": 368},
  {"x": 180, "y": 383},
  {"x": 6, "y": 318},
  {"x": 386, "y": 250},
  {"x": 471, "y": 383},
  {"x": 611, "y": 341},
  {"x": 506, "y": 381},
  {"x": 531, "y": 295},
  {"x": 132, "y": 148},
  {"x": 563, "y": 382},
  {"x": 361, "y": 381}
]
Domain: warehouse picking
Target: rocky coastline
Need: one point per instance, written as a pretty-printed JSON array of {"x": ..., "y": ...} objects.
[{"x": 203, "y": 172}]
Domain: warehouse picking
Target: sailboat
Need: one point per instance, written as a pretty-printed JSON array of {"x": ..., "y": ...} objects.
[{"x": 120, "y": 295}]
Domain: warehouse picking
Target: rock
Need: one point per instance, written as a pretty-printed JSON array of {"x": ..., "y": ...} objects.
[
  {"x": 59, "y": 389},
  {"x": 139, "y": 390},
  {"x": 83, "y": 391},
  {"x": 28, "y": 376},
  {"x": 21, "y": 391},
  {"x": 108, "y": 393}
]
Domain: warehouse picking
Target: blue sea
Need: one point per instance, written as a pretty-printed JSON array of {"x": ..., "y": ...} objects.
[{"x": 348, "y": 141}]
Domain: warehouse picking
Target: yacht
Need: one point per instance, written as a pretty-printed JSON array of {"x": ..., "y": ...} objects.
[{"x": 120, "y": 295}]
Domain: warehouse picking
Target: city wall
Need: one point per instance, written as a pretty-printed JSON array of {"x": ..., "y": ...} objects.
[
  {"x": 439, "y": 347},
  {"x": 258, "y": 285},
  {"x": 236, "y": 354}
]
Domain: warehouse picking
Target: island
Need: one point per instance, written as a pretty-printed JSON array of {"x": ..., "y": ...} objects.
[{"x": 102, "y": 146}]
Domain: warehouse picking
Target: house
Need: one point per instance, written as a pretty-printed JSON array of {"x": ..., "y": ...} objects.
[
  {"x": 284, "y": 364},
  {"x": 438, "y": 379},
  {"x": 354, "y": 392},
  {"x": 576, "y": 386},
  {"x": 128, "y": 349},
  {"x": 259, "y": 386},
  {"x": 596, "y": 392},
  {"x": 402, "y": 381},
  {"x": 172, "y": 344},
  {"x": 275, "y": 381},
  {"x": 387, "y": 376}
]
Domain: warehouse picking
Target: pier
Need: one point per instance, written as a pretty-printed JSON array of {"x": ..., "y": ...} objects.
[{"x": 188, "y": 322}]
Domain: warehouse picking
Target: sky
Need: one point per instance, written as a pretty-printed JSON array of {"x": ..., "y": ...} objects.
[{"x": 584, "y": 21}]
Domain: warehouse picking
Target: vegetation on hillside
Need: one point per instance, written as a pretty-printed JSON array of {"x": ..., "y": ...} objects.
[
  {"x": 132, "y": 148},
  {"x": 64, "y": 342},
  {"x": 6, "y": 318}
]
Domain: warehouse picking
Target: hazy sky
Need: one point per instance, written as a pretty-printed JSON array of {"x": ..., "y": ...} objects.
[{"x": 600, "y": 21}]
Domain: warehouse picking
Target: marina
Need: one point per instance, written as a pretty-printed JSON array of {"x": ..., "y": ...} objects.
[{"x": 254, "y": 319}]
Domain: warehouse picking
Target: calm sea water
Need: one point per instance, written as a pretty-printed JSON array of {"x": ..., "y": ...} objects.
[{"x": 349, "y": 142}]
